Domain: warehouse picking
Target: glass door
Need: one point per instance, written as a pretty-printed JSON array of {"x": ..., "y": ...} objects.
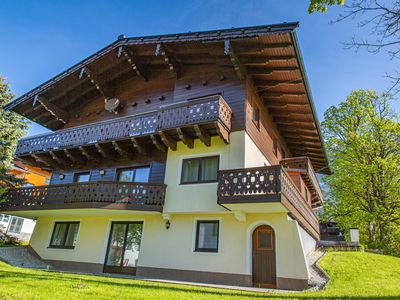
[{"x": 123, "y": 247}]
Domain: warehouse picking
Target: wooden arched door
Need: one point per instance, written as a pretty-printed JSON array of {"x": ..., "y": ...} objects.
[{"x": 264, "y": 260}]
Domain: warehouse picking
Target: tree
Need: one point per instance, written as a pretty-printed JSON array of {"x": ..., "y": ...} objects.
[
  {"x": 363, "y": 143},
  {"x": 12, "y": 128},
  {"x": 380, "y": 19}
]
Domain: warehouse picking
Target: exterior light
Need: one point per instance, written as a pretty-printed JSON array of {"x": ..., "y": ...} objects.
[
  {"x": 167, "y": 224},
  {"x": 61, "y": 176},
  {"x": 102, "y": 172}
]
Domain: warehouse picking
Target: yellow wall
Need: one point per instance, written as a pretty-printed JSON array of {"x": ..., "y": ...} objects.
[
  {"x": 35, "y": 179},
  {"x": 194, "y": 198},
  {"x": 173, "y": 248}
]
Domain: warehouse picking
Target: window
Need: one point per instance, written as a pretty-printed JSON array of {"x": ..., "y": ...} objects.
[
  {"x": 1, "y": 217},
  {"x": 141, "y": 174},
  {"x": 16, "y": 225},
  {"x": 6, "y": 218},
  {"x": 64, "y": 235},
  {"x": 275, "y": 146},
  {"x": 200, "y": 170},
  {"x": 207, "y": 233},
  {"x": 82, "y": 177},
  {"x": 264, "y": 239},
  {"x": 256, "y": 116}
]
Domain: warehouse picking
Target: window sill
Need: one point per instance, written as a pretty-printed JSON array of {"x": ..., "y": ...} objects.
[{"x": 62, "y": 247}]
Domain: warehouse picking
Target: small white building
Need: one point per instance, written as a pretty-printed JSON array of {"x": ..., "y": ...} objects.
[{"x": 21, "y": 228}]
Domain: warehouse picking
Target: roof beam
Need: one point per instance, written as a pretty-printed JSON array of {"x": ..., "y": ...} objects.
[
  {"x": 168, "y": 140},
  {"x": 265, "y": 60},
  {"x": 139, "y": 70},
  {"x": 268, "y": 71},
  {"x": 103, "y": 152},
  {"x": 88, "y": 155},
  {"x": 159, "y": 145},
  {"x": 139, "y": 148},
  {"x": 94, "y": 80},
  {"x": 187, "y": 140},
  {"x": 281, "y": 94},
  {"x": 72, "y": 156},
  {"x": 239, "y": 68},
  {"x": 275, "y": 83},
  {"x": 203, "y": 135},
  {"x": 54, "y": 110},
  {"x": 174, "y": 66},
  {"x": 122, "y": 150}
]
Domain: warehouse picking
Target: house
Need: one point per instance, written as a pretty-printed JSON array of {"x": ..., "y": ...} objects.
[
  {"x": 187, "y": 156},
  {"x": 22, "y": 228}
]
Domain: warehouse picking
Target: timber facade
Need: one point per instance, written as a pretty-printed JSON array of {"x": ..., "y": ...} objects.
[{"x": 174, "y": 155}]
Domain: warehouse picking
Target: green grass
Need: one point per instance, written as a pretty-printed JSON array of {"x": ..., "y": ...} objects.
[{"x": 354, "y": 275}]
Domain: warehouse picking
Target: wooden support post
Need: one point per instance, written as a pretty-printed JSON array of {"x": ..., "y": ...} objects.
[
  {"x": 159, "y": 145},
  {"x": 168, "y": 140},
  {"x": 187, "y": 140},
  {"x": 239, "y": 68},
  {"x": 161, "y": 50},
  {"x": 139, "y": 70},
  {"x": 54, "y": 110},
  {"x": 203, "y": 135}
]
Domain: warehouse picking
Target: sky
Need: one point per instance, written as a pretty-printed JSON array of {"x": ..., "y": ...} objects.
[{"x": 40, "y": 39}]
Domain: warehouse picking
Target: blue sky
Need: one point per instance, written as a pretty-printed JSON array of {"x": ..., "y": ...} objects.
[{"x": 39, "y": 39}]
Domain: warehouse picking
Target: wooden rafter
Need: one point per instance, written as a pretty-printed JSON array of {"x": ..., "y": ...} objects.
[
  {"x": 264, "y": 60},
  {"x": 58, "y": 159},
  {"x": 281, "y": 94},
  {"x": 54, "y": 110},
  {"x": 239, "y": 68},
  {"x": 139, "y": 148},
  {"x": 260, "y": 83},
  {"x": 159, "y": 145},
  {"x": 186, "y": 139},
  {"x": 174, "y": 66},
  {"x": 138, "y": 69},
  {"x": 168, "y": 140},
  {"x": 122, "y": 150},
  {"x": 268, "y": 71},
  {"x": 203, "y": 135},
  {"x": 103, "y": 152},
  {"x": 74, "y": 158},
  {"x": 90, "y": 156},
  {"x": 243, "y": 49},
  {"x": 94, "y": 80}
]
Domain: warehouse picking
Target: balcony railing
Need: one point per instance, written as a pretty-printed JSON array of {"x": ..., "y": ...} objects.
[
  {"x": 104, "y": 194},
  {"x": 263, "y": 185},
  {"x": 304, "y": 167},
  {"x": 204, "y": 110}
]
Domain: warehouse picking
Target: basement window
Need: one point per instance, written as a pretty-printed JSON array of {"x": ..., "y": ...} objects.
[
  {"x": 16, "y": 225},
  {"x": 207, "y": 235},
  {"x": 200, "y": 170},
  {"x": 82, "y": 177},
  {"x": 64, "y": 235}
]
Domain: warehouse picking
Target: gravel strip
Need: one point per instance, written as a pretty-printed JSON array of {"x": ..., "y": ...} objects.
[{"x": 20, "y": 257}]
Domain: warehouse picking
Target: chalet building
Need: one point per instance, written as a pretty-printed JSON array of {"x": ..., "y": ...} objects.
[{"x": 186, "y": 156}]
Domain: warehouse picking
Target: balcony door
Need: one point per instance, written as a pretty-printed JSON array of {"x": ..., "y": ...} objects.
[
  {"x": 264, "y": 260},
  {"x": 123, "y": 247}
]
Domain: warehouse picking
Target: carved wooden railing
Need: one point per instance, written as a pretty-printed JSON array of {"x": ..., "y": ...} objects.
[
  {"x": 265, "y": 184},
  {"x": 70, "y": 195},
  {"x": 303, "y": 164},
  {"x": 204, "y": 110}
]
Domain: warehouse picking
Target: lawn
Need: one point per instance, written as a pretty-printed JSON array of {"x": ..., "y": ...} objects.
[{"x": 354, "y": 275}]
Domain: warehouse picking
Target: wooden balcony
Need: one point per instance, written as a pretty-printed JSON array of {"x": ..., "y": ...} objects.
[
  {"x": 265, "y": 185},
  {"x": 303, "y": 166},
  {"x": 103, "y": 194},
  {"x": 122, "y": 137}
]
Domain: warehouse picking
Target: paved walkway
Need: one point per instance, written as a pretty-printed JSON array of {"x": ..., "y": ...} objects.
[
  {"x": 318, "y": 278},
  {"x": 20, "y": 257}
]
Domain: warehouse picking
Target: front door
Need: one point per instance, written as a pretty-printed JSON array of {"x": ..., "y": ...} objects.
[
  {"x": 123, "y": 247},
  {"x": 264, "y": 265}
]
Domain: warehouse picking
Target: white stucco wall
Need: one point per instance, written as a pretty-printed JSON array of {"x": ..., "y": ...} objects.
[
  {"x": 308, "y": 242},
  {"x": 173, "y": 248},
  {"x": 253, "y": 155}
]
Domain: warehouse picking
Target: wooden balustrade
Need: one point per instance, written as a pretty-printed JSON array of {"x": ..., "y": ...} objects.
[
  {"x": 102, "y": 194},
  {"x": 304, "y": 166},
  {"x": 204, "y": 110},
  {"x": 263, "y": 185}
]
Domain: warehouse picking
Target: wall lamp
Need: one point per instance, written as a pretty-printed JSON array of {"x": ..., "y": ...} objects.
[
  {"x": 167, "y": 224},
  {"x": 61, "y": 176},
  {"x": 102, "y": 172}
]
